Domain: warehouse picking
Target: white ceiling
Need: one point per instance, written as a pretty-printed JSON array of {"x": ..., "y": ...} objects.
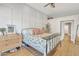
[{"x": 61, "y": 9}]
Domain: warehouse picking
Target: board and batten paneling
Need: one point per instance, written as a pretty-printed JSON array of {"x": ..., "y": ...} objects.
[
  {"x": 17, "y": 17},
  {"x": 22, "y": 16},
  {"x": 5, "y": 16},
  {"x": 33, "y": 18}
]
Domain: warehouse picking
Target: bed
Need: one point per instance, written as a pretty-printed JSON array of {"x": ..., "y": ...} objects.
[{"x": 43, "y": 43}]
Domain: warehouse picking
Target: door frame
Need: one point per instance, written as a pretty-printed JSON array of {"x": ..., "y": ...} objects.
[
  {"x": 76, "y": 32},
  {"x": 62, "y": 23}
]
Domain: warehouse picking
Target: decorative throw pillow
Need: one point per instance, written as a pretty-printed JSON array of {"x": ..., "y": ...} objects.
[
  {"x": 37, "y": 31},
  {"x": 41, "y": 31}
]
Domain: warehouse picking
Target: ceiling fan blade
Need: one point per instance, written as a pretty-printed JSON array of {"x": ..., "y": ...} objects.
[
  {"x": 46, "y": 5},
  {"x": 53, "y": 5}
]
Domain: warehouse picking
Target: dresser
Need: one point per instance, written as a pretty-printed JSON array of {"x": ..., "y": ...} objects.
[{"x": 10, "y": 41}]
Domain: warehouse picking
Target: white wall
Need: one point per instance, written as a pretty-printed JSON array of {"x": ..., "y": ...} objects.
[
  {"x": 55, "y": 24},
  {"x": 21, "y": 15},
  {"x": 66, "y": 29},
  {"x": 33, "y": 18},
  {"x": 5, "y": 16},
  {"x": 11, "y": 14}
]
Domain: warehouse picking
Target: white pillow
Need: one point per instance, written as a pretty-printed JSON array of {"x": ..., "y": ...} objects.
[{"x": 25, "y": 32}]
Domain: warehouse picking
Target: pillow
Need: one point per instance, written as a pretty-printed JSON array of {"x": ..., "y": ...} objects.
[
  {"x": 42, "y": 31},
  {"x": 26, "y": 32},
  {"x": 37, "y": 31}
]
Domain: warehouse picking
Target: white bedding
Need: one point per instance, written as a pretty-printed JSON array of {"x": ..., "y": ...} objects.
[{"x": 37, "y": 42}]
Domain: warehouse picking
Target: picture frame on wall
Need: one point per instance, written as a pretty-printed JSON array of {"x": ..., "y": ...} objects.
[{"x": 11, "y": 29}]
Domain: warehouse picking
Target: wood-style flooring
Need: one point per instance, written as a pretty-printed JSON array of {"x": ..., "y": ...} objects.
[
  {"x": 23, "y": 51},
  {"x": 67, "y": 49}
]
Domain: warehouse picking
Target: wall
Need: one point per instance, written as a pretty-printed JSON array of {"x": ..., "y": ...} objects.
[
  {"x": 33, "y": 18},
  {"x": 21, "y": 15},
  {"x": 55, "y": 24},
  {"x": 27, "y": 17},
  {"x": 5, "y": 16},
  {"x": 66, "y": 29},
  {"x": 11, "y": 14}
]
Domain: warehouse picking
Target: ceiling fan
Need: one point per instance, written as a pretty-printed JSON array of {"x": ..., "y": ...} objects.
[{"x": 50, "y": 4}]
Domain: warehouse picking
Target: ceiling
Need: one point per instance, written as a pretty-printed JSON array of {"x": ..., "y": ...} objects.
[{"x": 61, "y": 9}]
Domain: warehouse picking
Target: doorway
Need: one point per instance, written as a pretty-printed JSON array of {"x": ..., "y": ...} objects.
[
  {"x": 66, "y": 29},
  {"x": 67, "y": 32}
]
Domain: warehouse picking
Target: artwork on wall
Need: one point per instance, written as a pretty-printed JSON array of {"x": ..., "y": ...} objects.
[{"x": 10, "y": 28}]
